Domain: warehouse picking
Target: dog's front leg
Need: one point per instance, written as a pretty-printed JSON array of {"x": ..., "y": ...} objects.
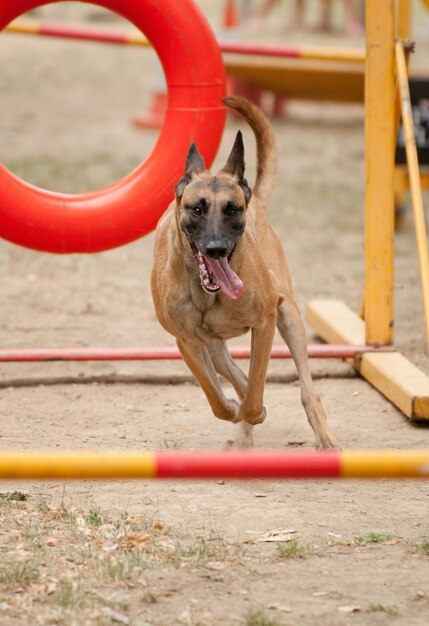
[
  {"x": 226, "y": 367},
  {"x": 198, "y": 360},
  {"x": 252, "y": 409}
]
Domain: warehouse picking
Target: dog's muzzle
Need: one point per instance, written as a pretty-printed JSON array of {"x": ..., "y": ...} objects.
[{"x": 216, "y": 274}]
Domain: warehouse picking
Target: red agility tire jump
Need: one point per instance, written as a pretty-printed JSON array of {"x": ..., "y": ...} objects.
[{"x": 127, "y": 210}]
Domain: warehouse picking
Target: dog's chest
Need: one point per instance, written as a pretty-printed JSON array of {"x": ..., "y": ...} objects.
[{"x": 222, "y": 323}]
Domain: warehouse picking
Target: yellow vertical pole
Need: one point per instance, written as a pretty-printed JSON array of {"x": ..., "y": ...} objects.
[
  {"x": 403, "y": 31},
  {"x": 403, "y": 24},
  {"x": 414, "y": 175},
  {"x": 379, "y": 170}
]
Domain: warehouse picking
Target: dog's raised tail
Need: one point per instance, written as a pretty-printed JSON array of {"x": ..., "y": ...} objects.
[{"x": 266, "y": 150}]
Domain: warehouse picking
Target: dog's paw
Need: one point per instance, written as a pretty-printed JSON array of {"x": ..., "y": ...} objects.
[
  {"x": 327, "y": 442},
  {"x": 244, "y": 437}
]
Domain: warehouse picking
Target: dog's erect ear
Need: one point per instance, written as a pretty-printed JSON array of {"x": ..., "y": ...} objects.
[
  {"x": 235, "y": 164},
  {"x": 194, "y": 165}
]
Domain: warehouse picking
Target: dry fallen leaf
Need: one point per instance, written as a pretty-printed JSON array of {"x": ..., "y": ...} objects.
[
  {"x": 279, "y": 534},
  {"x": 52, "y": 541},
  {"x": 215, "y": 565},
  {"x": 349, "y": 609},
  {"x": 138, "y": 540},
  {"x": 160, "y": 528},
  {"x": 115, "y": 616},
  {"x": 50, "y": 588},
  {"x": 319, "y": 594}
]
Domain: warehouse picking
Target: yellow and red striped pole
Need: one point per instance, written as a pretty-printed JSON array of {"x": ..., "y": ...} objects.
[
  {"x": 267, "y": 464},
  {"x": 33, "y": 27},
  {"x": 83, "y": 33}
]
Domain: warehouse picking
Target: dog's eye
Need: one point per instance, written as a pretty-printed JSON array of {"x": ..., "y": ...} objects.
[
  {"x": 231, "y": 210},
  {"x": 197, "y": 210}
]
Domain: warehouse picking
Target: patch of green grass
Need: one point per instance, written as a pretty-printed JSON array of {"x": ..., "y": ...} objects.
[
  {"x": 94, "y": 517},
  {"x": 424, "y": 546},
  {"x": 150, "y": 597},
  {"x": 18, "y": 573},
  {"x": 169, "y": 444},
  {"x": 373, "y": 538},
  {"x": 43, "y": 507},
  {"x": 383, "y": 608},
  {"x": 71, "y": 595},
  {"x": 124, "y": 565},
  {"x": 258, "y": 617},
  {"x": 32, "y": 533},
  {"x": 216, "y": 578},
  {"x": 293, "y": 550},
  {"x": 159, "y": 552},
  {"x": 13, "y": 496},
  {"x": 202, "y": 550}
]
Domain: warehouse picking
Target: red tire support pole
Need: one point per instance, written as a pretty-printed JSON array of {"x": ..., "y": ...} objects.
[{"x": 160, "y": 353}]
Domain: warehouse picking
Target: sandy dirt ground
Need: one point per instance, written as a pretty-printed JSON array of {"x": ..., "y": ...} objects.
[{"x": 159, "y": 553}]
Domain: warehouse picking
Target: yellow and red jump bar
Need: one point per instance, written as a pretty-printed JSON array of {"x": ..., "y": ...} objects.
[
  {"x": 267, "y": 464},
  {"x": 33, "y": 27}
]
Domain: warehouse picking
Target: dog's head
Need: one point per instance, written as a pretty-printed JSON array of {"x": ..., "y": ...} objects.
[{"x": 212, "y": 214}]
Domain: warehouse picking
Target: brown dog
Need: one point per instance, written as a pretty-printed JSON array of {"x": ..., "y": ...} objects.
[{"x": 219, "y": 271}]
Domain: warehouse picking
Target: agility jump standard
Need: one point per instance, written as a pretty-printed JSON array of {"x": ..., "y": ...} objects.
[
  {"x": 35, "y": 465},
  {"x": 392, "y": 374}
]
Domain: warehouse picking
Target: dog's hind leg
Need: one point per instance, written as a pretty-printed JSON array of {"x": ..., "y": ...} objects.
[
  {"x": 198, "y": 360},
  {"x": 292, "y": 330}
]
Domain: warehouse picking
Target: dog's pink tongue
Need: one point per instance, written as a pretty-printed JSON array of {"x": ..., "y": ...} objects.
[{"x": 227, "y": 280}]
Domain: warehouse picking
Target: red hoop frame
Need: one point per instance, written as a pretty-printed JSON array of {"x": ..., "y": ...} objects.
[{"x": 127, "y": 210}]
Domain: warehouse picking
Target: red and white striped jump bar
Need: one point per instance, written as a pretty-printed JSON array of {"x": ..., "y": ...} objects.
[
  {"x": 160, "y": 353},
  {"x": 268, "y": 464}
]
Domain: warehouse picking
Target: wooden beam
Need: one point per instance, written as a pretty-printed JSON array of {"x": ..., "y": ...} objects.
[
  {"x": 389, "y": 372},
  {"x": 403, "y": 19},
  {"x": 301, "y": 79},
  {"x": 414, "y": 177},
  {"x": 379, "y": 167}
]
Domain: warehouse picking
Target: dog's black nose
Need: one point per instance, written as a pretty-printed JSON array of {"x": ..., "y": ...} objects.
[{"x": 216, "y": 250}]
